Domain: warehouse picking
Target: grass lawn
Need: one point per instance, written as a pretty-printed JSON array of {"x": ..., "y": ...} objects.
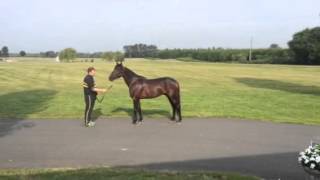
[
  {"x": 44, "y": 89},
  {"x": 113, "y": 174}
]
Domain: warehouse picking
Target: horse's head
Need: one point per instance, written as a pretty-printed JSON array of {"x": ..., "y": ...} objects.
[{"x": 117, "y": 72}]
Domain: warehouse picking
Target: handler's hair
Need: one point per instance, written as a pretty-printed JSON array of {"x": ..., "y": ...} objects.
[{"x": 90, "y": 69}]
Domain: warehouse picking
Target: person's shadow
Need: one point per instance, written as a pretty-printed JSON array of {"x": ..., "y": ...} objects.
[{"x": 96, "y": 114}]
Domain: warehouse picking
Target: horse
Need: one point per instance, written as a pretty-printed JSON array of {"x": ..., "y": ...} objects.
[{"x": 142, "y": 88}]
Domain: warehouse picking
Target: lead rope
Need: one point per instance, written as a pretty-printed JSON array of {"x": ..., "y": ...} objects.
[{"x": 102, "y": 98}]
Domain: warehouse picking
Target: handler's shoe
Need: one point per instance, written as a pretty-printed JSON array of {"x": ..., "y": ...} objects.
[{"x": 91, "y": 124}]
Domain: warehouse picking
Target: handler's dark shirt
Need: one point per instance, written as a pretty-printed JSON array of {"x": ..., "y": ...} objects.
[{"x": 88, "y": 85}]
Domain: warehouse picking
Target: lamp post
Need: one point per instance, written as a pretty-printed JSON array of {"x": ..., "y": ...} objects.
[{"x": 250, "y": 52}]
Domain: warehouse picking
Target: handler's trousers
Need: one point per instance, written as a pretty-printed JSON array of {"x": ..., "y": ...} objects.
[{"x": 89, "y": 100}]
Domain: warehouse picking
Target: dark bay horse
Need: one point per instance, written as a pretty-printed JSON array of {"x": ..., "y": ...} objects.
[{"x": 143, "y": 88}]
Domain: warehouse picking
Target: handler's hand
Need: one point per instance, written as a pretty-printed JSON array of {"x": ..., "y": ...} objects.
[{"x": 103, "y": 90}]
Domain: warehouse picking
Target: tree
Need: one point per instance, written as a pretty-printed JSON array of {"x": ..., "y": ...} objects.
[
  {"x": 274, "y": 46},
  {"x": 5, "y": 51},
  {"x": 22, "y": 53},
  {"x": 67, "y": 54},
  {"x": 108, "y": 56},
  {"x": 118, "y": 56},
  {"x": 305, "y": 46}
]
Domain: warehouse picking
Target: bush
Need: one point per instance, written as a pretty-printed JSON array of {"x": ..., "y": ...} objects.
[{"x": 22, "y": 53}]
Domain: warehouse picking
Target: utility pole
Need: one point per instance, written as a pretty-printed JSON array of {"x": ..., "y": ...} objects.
[{"x": 250, "y": 53}]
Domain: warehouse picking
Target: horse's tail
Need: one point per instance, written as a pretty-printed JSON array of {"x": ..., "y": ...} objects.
[
  {"x": 177, "y": 89},
  {"x": 176, "y": 83},
  {"x": 176, "y": 96},
  {"x": 179, "y": 101}
]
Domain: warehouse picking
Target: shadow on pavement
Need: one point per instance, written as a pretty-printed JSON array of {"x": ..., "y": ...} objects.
[
  {"x": 146, "y": 112},
  {"x": 16, "y": 106},
  {"x": 269, "y": 166},
  {"x": 96, "y": 114},
  {"x": 279, "y": 85}
]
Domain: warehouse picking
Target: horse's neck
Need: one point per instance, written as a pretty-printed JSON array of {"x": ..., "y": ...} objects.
[{"x": 130, "y": 76}]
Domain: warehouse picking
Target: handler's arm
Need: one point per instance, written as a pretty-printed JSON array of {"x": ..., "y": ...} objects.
[
  {"x": 99, "y": 90},
  {"x": 91, "y": 84}
]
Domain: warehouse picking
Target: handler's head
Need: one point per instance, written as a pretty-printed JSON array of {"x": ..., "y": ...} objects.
[{"x": 91, "y": 71}]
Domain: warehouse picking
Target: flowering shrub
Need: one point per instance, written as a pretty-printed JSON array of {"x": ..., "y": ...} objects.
[{"x": 311, "y": 157}]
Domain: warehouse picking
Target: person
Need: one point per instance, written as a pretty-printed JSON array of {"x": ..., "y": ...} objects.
[{"x": 90, "y": 94}]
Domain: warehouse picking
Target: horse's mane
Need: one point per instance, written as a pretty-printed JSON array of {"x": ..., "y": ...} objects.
[{"x": 131, "y": 73}]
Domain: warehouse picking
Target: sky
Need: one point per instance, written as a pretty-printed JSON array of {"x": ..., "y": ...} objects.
[{"x": 108, "y": 25}]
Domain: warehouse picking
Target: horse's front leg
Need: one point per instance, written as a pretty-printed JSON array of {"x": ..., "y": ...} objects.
[{"x": 134, "y": 115}]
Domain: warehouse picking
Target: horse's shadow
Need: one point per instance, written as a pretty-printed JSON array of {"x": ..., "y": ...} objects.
[{"x": 145, "y": 112}]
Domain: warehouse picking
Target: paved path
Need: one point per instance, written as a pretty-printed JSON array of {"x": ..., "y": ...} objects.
[{"x": 257, "y": 148}]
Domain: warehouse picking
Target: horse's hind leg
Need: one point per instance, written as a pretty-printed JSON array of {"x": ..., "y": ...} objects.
[
  {"x": 173, "y": 108},
  {"x": 139, "y": 111},
  {"x": 179, "y": 111},
  {"x": 176, "y": 102},
  {"x": 135, "y": 110}
]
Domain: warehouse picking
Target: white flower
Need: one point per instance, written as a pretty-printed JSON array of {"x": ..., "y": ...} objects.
[{"x": 310, "y": 156}]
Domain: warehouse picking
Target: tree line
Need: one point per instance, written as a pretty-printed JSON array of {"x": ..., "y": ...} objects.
[
  {"x": 70, "y": 54},
  {"x": 304, "y": 48},
  {"x": 280, "y": 56},
  {"x": 140, "y": 50}
]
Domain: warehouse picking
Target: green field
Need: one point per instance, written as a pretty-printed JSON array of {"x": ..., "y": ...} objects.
[
  {"x": 44, "y": 89},
  {"x": 113, "y": 174}
]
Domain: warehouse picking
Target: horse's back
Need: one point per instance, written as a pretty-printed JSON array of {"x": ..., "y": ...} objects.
[
  {"x": 167, "y": 85},
  {"x": 150, "y": 88},
  {"x": 165, "y": 80}
]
